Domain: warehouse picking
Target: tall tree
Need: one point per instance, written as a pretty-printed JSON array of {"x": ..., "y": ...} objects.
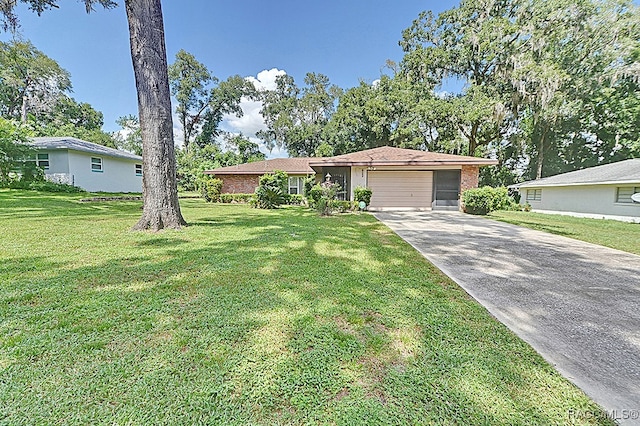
[
  {"x": 567, "y": 53},
  {"x": 30, "y": 81},
  {"x": 189, "y": 81},
  {"x": 246, "y": 150},
  {"x": 469, "y": 43},
  {"x": 201, "y": 108},
  {"x": 372, "y": 115},
  {"x": 224, "y": 98},
  {"x": 532, "y": 71},
  {"x": 148, "y": 52},
  {"x": 296, "y": 118}
]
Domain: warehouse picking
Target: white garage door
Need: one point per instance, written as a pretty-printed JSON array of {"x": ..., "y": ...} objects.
[{"x": 400, "y": 189}]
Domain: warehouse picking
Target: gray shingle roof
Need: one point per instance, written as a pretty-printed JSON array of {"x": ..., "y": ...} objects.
[
  {"x": 627, "y": 171},
  {"x": 80, "y": 145}
]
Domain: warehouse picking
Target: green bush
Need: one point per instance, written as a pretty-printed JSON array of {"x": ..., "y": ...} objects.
[
  {"x": 361, "y": 193},
  {"x": 295, "y": 199},
  {"x": 308, "y": 183},
  {"x": 210, "y": 189},
  {"x": 313, "y": 195},
  {"x": 235, "y": 198},
  {"x": 322, "y": 198},
  {"x": 484, "y": 200},
  {"x": 45, "y": 186},
  {"x": 343, "y": 206},
  {"x": 269, "y": 197},
  {"x": 272, "y": 191}
]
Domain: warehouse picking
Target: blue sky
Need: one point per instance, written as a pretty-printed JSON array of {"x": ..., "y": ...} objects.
[{"x": 347, "y": 40}]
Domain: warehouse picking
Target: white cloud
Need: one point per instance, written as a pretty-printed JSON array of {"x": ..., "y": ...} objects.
[
  {"x": 251, "y": 121},
  {"x": 266, "y": 79},
  {"x": 178, "y": 134}
]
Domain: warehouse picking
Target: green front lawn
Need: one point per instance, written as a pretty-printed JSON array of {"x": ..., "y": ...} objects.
[
  {"x": 609, "y": 233},
  {"x": 248, "y": 317}
]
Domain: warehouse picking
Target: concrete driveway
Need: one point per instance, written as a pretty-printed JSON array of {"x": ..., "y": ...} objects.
[{"x": 577, "y": 304}]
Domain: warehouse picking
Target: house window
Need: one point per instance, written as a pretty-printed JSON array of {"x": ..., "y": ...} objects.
[
  {"x": 96, "y": 164},
  {"x": 534, "y": 194},
  {"x": 138, "y": 169},
  {"x": 42, "y": 160},
  {"x": 623, "y": 194},
  {"x": 296, "y": 185}
]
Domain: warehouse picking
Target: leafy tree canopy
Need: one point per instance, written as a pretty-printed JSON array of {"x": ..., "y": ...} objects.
[
  {"x": 13, "y": 147},
  {"x": 202, "y": 99},
  {"x": 297, "y": 118}
]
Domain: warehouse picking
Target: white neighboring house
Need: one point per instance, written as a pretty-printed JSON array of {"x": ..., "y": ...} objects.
[
  {"x": 602, "y": 192},
  {"x": 90, "y": 166}
]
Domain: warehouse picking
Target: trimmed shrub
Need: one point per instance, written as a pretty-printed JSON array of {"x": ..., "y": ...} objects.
[
  {"x": 295, "y": 199},
  {"x": 210, "y": 188},
  {"x": 235, "y": 198},
  {"x": 484, "y": 200},
  {"x": 272, "y": 190},
  {"x": 343, "y": 206},
  {"x": 46, "y": 186},
  {"x": 361, "y": 193}
]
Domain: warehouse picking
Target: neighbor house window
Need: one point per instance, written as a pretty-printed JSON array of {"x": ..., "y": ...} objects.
[
  {"x": 42, "y": 160},
  {"x": 96, "y": 164},
  {"x": 534, "y": 194},
  {"x": 623, "y": 194},
  {"x": 296, "y": 184},
  {"x": 138, "y": 169}
]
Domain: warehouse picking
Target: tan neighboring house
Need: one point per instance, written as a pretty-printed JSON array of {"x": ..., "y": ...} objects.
[
  {"x": 400, "y": 179},
  {"x": 602, "y": 192}
]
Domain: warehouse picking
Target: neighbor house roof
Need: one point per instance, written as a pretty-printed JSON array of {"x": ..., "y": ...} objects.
[
  {"x": 293, "y": 166},
  {"x": 80, "y": 145},
  {"x": 622, "y": 172},
  {"x": 390, "y": 156}
]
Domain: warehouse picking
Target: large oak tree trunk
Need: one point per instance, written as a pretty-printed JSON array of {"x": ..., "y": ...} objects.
[
  {"x": 544, "y": 130},
  {"x": 149, "y": 56}
]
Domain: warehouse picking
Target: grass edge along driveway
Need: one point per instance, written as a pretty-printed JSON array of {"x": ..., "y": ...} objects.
[
  {"x": 609, "y": 233},
  {"x": 248, "y": 317}
]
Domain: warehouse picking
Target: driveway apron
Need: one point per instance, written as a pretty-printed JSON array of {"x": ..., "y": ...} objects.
[{"x": 577, "y": 304}]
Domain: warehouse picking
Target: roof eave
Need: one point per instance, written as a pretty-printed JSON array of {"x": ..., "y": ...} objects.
[
  {"x": 376, "y": 163},
  {"x": 610, "y": 182},
  {"x": 131, "y": 157},
  {"x": 254, "y": 172}
]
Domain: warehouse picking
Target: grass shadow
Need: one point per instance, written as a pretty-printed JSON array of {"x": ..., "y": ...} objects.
[{"x": 260, "y": 317}]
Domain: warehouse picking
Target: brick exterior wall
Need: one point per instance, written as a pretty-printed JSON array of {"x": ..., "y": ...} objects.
[
  {"x": 239, "y": 184},
  {"x": 469, "y": 177}
]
